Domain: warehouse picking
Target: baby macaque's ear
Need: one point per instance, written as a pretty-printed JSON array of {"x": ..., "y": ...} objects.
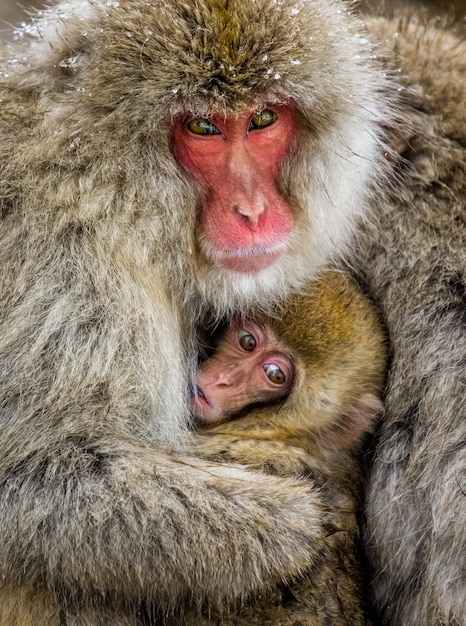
[{"x": 358, "y": 419}]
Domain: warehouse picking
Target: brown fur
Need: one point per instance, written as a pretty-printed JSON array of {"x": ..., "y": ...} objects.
[{"x": 337, "y": 344}]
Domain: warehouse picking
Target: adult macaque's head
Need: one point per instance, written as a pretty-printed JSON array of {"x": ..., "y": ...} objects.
[{"x": 277, "y": 150}]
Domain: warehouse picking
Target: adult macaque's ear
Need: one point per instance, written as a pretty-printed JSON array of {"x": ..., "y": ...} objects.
[{"x": 358, "y": 419}]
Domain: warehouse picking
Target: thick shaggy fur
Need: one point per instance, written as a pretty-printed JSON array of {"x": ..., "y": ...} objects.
[
  {"x": 414, "y": 265},
  {"x": 102, "y": 283}
]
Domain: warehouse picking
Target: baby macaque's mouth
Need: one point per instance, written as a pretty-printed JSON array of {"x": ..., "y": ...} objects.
[{"x": 201, "y": 395}]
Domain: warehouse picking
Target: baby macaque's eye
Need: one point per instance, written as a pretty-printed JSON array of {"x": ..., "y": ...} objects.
[
  {"x": 246, "y": 340},
  {"x": 274, "y": 373}
]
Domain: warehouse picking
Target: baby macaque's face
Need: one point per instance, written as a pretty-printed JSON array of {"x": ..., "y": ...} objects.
[{"x": 249, "y": 366}]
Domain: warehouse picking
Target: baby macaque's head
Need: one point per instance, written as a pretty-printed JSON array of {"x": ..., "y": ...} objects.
[
  {"x": 250, "y": 366},
  {"x": 315, "y": 368}
]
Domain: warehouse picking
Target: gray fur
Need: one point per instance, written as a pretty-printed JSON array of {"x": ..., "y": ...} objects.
[
  {"x": 415, "y": 267},
  {"x": 102, "y": 283}
]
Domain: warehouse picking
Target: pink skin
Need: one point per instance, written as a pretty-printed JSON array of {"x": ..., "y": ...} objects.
[
  {"x": 234, "y": 377},
  {"x": 246, "y": 222}
]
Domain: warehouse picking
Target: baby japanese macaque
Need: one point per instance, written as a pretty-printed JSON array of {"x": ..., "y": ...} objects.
[
  {"x": 292, "y": 394},
  {"x": 312, "y": 371}
]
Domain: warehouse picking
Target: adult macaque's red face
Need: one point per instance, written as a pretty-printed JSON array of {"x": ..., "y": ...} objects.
[
  {"x": 249, "y": 366},
  {"x": 237, "y": 159}
]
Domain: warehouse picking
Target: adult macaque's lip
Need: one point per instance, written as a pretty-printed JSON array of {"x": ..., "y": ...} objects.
[
  {"x": 249, "y": 264},
  {"x": 250, "y": 260}
]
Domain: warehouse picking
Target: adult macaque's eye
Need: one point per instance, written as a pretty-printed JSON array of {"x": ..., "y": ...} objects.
[
  {"x": 263, "y": 119},
  {"x": 274, "y": 373},
  {"x": 202, "y": 126},
  {"x": 246, "y": 340}
]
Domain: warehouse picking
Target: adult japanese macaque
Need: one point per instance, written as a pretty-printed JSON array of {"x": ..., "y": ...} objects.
[
  {"x": 291, "y": 394},
  {"x": 162, "y": 160}
]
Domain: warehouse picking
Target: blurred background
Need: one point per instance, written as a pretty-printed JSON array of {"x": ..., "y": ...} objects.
[{"x": 13, "y": 12}]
